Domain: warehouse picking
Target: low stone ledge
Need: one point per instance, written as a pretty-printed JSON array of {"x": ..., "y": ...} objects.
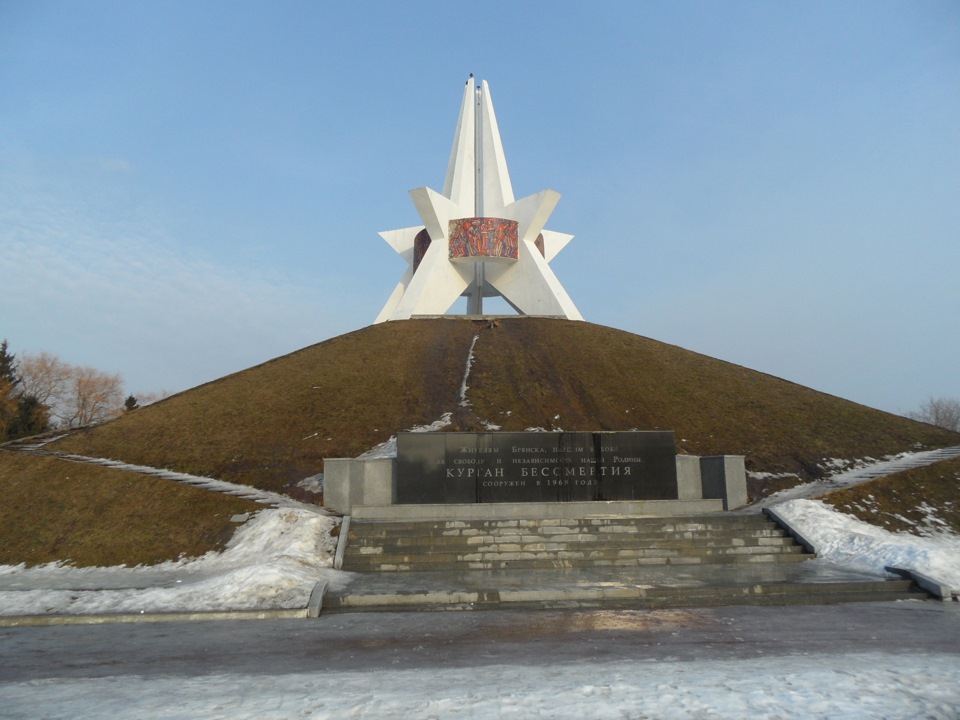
[{"x": 532, "y": 511}]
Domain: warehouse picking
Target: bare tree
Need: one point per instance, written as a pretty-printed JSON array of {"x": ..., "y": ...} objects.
[
  {"x": 46, "y": 377},
  {"x": 93, "y": 396},
  {"x": 75, "y": 395},
  {"x": 942, "y": 412}
]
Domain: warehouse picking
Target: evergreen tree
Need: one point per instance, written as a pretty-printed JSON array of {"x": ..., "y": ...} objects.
[
  {"x": 32, "y": 418},
  {"x": 8, "y": 365},
  {"x": 9, "y": 406},
  {"x": 131, "y": 403},
  {"x": 21, "y": 414}
]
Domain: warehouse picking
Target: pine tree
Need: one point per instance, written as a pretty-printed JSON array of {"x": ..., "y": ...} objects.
[
  {"x": 9, "y": 406},
  {"x": 8, "y": 364},
  {"x": 32, "y": 418},
  {"x": 21, "y": 414}
]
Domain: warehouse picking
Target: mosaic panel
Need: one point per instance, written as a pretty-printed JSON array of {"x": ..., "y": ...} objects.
[{"x": 483, "y": 238}]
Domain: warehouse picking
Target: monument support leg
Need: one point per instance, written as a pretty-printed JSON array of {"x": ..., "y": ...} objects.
[{"x": 475, "y": 300}]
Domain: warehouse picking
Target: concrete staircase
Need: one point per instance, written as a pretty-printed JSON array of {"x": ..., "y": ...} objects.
[
  {"x": 591, "y": 563},
  {"x": 550, "y": 544}
]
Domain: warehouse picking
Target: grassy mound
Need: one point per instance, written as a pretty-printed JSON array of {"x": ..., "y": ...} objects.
[
  {"x": 272, "y": 425},
  {"x": 89, "y": 515},
  {"x": 578, "y": 376},
  {"x": 907, "y": 501}
]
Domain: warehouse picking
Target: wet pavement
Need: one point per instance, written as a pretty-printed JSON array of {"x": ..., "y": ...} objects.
[{"x": 372, "y": 641}]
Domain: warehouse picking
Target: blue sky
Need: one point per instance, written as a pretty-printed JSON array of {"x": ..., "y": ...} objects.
[{"x": 188, "y": 189}]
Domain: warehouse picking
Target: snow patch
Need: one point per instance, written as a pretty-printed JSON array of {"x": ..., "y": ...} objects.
[
  {"x": 388, "y": 448},
  {"x": 313, "y": 484},
  {"x": 854, "y": 472},
  {"x": 848, "y": 541},
  {"x": 756, "y": 475},
  {"x": 867, "y": 686},
  {"x": 272, "y": 562},
  {"x": 466, "y": 374}
]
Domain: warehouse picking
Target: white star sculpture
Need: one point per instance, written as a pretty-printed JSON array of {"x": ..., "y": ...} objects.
[{"x": 477, "y": 188}]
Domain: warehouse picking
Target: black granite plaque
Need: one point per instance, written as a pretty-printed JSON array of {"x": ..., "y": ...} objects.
[{"x": 535, "y": 467}]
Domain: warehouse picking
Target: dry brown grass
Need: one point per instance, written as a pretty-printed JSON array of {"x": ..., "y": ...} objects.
[
  {"x": 58, "y": 510},
  {"x": 530, "y": 371},
  {"x": 273, "y": 424},
  {"x": 895, "y": 502}
]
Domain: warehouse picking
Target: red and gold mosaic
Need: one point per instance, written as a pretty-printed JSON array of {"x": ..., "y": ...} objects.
[{"x": 483, "y": 238}]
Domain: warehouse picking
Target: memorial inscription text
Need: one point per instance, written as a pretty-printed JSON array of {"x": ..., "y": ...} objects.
[{"x": 535, "y": 467}]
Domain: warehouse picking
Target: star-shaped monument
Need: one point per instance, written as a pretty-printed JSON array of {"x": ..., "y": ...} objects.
[{"x": 476, "y": 239}]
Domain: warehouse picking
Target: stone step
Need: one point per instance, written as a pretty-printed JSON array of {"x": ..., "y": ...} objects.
[
  {"x": 554, "y": 562},
  {"x": 402, "y": 546},
  {"x": 776, "y": 593},
  {"x": 516, "y": 543},
  {"x": 554, "y": 535},
  {"x": 528, "y": 552}
]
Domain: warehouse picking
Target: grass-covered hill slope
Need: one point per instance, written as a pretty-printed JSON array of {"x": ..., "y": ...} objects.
[
  {"x": 58, "y": 510},
  {"x": 921, "y": 501},
  {"x": 272, "y": 425},
  {"x": 528, "y": 373}
]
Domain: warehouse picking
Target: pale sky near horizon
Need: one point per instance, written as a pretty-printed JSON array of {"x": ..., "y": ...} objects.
[{"x": 189, "y": 189}]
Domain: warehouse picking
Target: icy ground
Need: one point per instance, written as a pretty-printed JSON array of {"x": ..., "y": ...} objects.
[
  {"x": 876, "y": 660},
  {"x": 844, "y": 686},
  {"x": 873, "y": 660}
]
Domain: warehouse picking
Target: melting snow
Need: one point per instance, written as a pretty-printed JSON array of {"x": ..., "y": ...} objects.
[
  {"x": 466, "y": 374},
  {"x": 862, "y": 685},
  {"x": 848, "y": 541},
  {"x": 273, "y": 561},
  {"x": 854, "y": 472},
  {"x": 388, "y": 448}
]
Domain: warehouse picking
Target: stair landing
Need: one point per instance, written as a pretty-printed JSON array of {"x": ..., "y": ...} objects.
[{"x": 813, "y": 582}]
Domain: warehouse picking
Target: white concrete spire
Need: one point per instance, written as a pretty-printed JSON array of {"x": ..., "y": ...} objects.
[
  {"x": 461, "y": 181},
  {"x": 497, "y": 190},
  {"x": 476, "y": 239}
]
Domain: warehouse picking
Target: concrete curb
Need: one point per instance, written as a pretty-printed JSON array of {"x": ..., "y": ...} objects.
[
  {"x": 315, "y": 604},
  {"x": 794, "y": 533},
  {"x": 939, "y": 590},
  {"x": 341, "y": 542}
]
